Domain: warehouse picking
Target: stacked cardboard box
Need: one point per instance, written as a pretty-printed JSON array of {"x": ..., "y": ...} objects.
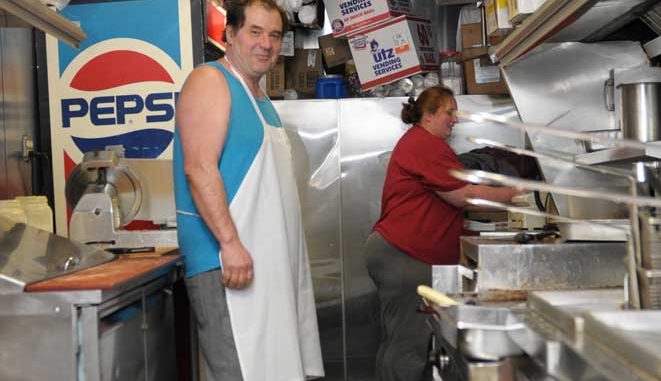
[
  {"x": 520, "y": 9},
  {"x": 350, "y": 16},
  {"x": 335, "y": 51},
  {"x": 497, "y": 17},
  {"x": 275, "y": 79},
  {"x": 303, "y": 70},
  {"x": 393, "y": 50},
  {"x": 482, "y": 77}
]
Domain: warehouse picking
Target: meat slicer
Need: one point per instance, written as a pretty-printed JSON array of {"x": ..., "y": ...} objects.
[{"x": 106, "y": 192}]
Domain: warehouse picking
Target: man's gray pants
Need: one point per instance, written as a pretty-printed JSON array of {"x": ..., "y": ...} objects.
[
  {"x": 214, "y": 330},
  {"x": 405, "y": 335}
]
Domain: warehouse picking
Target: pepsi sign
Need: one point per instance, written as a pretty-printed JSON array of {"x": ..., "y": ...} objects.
[{"x": 121, "y": 87}]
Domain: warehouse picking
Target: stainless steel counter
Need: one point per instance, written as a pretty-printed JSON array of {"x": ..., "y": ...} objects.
[
  {"x": 568, "y": 335},
  {"x": 123, "y": 333}
]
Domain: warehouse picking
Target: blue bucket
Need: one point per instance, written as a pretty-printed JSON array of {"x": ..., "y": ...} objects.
[{"x": 331, "y": 87}]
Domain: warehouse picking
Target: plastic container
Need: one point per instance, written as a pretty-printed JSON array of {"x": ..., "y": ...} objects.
[
  {"x": 451, "y": 74},
  {"x": 11, "y": 209},
  {"x": 331, "y": 87},
  {"x": 37, "y": 211}
]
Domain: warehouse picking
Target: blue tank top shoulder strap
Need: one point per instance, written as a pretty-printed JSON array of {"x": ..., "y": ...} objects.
[{"x": 265, "y": 105}]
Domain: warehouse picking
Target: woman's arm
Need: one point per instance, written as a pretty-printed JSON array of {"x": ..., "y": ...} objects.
[{"x": 458, "y": 197}]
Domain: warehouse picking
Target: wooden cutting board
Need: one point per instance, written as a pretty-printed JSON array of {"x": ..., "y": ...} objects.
[{"x": 110, "y": 274}]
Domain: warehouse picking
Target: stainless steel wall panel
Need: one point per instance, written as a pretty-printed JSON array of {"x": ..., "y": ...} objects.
[
  {"x": 562, "y": 86},
  {"x": 369, "y": 129},
  {"x": 312, "y": 127},
  {"x": 501, "y": 106},
  {"x": 18, "y": 100},
  {"x": 3, "y": 161}
]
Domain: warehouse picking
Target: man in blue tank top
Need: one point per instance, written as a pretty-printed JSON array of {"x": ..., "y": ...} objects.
[{"x": 238, "y": 214}]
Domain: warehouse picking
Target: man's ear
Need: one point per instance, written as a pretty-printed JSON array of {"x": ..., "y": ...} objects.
[{"x": 229, "y": 34}]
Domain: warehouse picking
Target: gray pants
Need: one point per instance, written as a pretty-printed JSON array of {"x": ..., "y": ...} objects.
[
  {"x": 405, "y": 335},
  {"x": 209, "y": 305}
]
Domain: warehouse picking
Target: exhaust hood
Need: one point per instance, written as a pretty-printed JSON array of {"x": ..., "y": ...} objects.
[
  {"x": 568, "y": 21},
  {"x": 43, "y": 18}
]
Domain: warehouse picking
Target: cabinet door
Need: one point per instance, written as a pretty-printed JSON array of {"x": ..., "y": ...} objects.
[
  {"x": 160, "y": 337},
  {"x": 121, "y": 345},
  {"x": 137, "y": 342}
]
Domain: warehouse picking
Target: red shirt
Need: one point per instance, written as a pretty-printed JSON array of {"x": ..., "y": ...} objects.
[{"x": 414, "y": 218}]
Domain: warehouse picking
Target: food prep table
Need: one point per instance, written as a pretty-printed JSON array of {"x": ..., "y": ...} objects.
[{"x": 110, "y": 321}]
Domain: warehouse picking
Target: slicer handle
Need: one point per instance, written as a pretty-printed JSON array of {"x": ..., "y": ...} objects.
[{"x": 435, "y": 296}]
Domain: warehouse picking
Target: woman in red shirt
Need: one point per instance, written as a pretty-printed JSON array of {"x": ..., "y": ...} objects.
[{"x": 420, "y": 224}]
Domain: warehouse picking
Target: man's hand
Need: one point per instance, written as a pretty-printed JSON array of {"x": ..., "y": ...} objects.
[{"x": 237, "y": 265}]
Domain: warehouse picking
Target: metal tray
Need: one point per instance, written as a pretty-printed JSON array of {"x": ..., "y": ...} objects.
[
  {"x": 650, "y": 235},
  {"x": 650, "y": 288},
  {"x": 633, "y": 336},
  {"x": 594, "y": 230},
  {"x": 566, "y": 309},
  {"x": 478, "y": 332}
]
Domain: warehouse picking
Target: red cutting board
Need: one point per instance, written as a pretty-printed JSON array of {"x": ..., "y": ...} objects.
[{"x": 110, "y": 274}]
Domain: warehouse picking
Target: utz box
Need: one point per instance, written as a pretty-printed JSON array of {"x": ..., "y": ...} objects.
[
  {"x": 350, "y": 16},
  {"x": 395, "y": 49}
]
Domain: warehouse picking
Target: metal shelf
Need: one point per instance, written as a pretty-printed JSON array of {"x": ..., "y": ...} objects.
[{"x": 41, "y": 17}]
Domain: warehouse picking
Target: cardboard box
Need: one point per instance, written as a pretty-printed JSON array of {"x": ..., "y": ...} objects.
[
  {"x": 393, "y": 50},
  {"x": 520, "y": 9},
  {"x": 335, "y": 50},
  {"x": 275, "y": 79},
  {"x": 350, "y": 16},
  {"x": 482, "y": 77},
  {"x": 497, "y": 15},
  {"x": 303, "y": 70},
  {"x": 471, "y": 36}
]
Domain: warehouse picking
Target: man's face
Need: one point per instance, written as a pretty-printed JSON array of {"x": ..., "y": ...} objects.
[{"x": 256, "y": 45}]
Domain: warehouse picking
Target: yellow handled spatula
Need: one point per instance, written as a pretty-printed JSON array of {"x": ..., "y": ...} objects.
[{"x": 435, "y": 296}]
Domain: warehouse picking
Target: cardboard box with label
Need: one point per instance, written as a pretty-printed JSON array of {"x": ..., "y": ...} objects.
[
  {"x": 393, "y": 50},
  {"x": 471, "y": 35},
  {"x": 497, "y": 15},
  {"x": 520, "y": 9},
  {"x": 483, "y": 77},
  {"x": 303, "y": 70},
  {"x": 275, "y": 79},
  {"x": 350, "y": 16},
  {"x": 336, "y": 51}
]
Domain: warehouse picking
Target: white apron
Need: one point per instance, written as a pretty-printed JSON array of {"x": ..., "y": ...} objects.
[{"x": 274, "y": 320}]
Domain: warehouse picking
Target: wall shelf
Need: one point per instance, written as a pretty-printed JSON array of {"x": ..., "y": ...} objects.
[{"x": 45, "y": 19}]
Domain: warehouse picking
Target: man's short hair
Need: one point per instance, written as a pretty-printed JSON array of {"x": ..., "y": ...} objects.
[{"x": 236, "y": 13}]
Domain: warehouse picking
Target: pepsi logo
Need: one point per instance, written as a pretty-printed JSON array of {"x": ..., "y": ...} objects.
[{"x": 119, "y": 96}]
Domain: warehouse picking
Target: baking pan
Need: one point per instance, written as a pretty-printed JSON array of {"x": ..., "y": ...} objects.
[
  {"x": 478, "y": 332},
  {"x": 650, "y": 288},
  {"x": 566, "y": 309},
  {"x": 632, "y": 336}
]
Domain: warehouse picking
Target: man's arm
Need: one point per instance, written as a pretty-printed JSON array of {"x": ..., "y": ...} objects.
[
  {"x": 458, "y": 197},
  {"x": 203, "y": 111}
]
